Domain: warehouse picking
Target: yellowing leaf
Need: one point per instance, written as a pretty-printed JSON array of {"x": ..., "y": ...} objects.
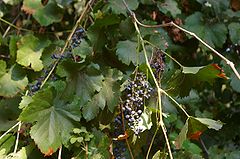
[
  {"x": 12, "y": 82},
  {"x": 30, "y": 51}
]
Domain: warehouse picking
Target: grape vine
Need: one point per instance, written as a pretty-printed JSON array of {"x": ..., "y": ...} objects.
[{"x": 119, "y": 79}]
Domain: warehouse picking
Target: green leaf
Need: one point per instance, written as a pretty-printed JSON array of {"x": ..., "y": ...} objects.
[
  {"x": 211, "y": 124},
  {"x": 21, "y": 154},
  {"x": 146, "y": 122},
  {"x": 96, "y": 32},
  {"x": 30, "y": 50},
  {"x": 45, "y": 15},
  {"x": 194, "y": 127},
  {"x": 108, "y": 95},
  {"x": 13, "y": 47},
  {"x": 12, "y": 81},
  {"x": 83, "y": 50},
  {"x": 12, "y": 2},
  {"x": 118, "y": 7},
  {"x": 159, "y": 155},
  {"x": 25, "y": 101},
  {"x": 97, "y": 38},
  {"x": 182, "y": 136},
  {"x": 213, "y": 34},
  {"x": 127, "y": 53},
  {"x": 54, "y": 120},
  {"x": 159, "y": 41},
  {"x": 234, "y": 32},
  {"x": 191, "y": 77},
  {"x": 7, "y": 143},
  {"x": 235, "y": 82},
  {"x": 3, "y": 67},
  {"x": 191, "y": 70},
  {"x": 98, "y": 145},
  {"x": 170, "y": 6}
]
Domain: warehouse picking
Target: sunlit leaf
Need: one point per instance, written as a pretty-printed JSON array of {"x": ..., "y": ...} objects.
[
  {"x": 7, "y": 143},
  {"x": 182, "y": 136},
  {"x": 54, "y": 120},
  {"x": 108, "y": 95},
  {"x": 194, "y": 127},
  {"x": 191, "y": 77},
  {"x": 45, "y": 15},
  {"x": 12, "y": 82},
  {"x": 21, "y": 154},
  {"x": 30, "y": 50}
]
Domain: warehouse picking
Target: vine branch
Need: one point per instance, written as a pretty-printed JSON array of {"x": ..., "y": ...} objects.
[
  {"x": 10, "y": 130},
  {"x": 68, "y": 40},
  {"x": 227, "y": 61},
  {"x": 156, "y": 83}
]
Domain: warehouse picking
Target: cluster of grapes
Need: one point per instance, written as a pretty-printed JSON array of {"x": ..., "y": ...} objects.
[
  {"x": 157, "y": 63},
  {"x": 77, "y": 38},
  {"x": 137, "y": 91},
  {"x": 233, "y": 48},
  {"x": 119, "y": 145},
  {"x": 75, "y": 42},
  {"x": 35, "y": 87}
]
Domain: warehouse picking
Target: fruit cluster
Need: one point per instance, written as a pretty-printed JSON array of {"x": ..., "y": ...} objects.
[
  {"x": 157, "y": 63},
  {"x": 75, "y": 42},
  {"x": 137, "y": 91}
]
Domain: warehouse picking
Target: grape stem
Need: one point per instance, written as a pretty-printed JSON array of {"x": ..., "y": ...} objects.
[{"x": 158, "y": 88}]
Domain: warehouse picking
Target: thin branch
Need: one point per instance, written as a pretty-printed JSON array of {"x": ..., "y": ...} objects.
[
  {"x": 158, "y": 89},
  {"x": 205, "y": 151},
  {"x": 68, "y": 40},
  {"x": 17, "y": 139},
  {"x": 150, "y": 146},
  {"x": 228, "y": 62},
  {"x": 185, "y": 112},
  {"x": 14, "y": 26},
  {"x": 60, "y": 153},
  {"x": 9, "y": 27},
  {"x": 10, "y": 130}
]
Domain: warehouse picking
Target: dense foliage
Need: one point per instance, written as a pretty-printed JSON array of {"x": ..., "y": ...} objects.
[{"x": 99, "y": 79}]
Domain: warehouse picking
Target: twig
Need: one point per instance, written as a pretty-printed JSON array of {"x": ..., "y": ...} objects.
[
  {"x": 228, "y": 62},
  {"x": 205, "y": 151},
  {"x": 185, "y": 112},
  {"x": 17, "y": 139},
  {"x": 10, "y": 130},
  {"x": 150, "y": 146},
  {"x": 5, "y": 33},
  {"x": 68, "y": 40},
  {"x": 158, "y": 88},
  {"x": 60, "y": 153},
  {"x": 14, "y": 26}
]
